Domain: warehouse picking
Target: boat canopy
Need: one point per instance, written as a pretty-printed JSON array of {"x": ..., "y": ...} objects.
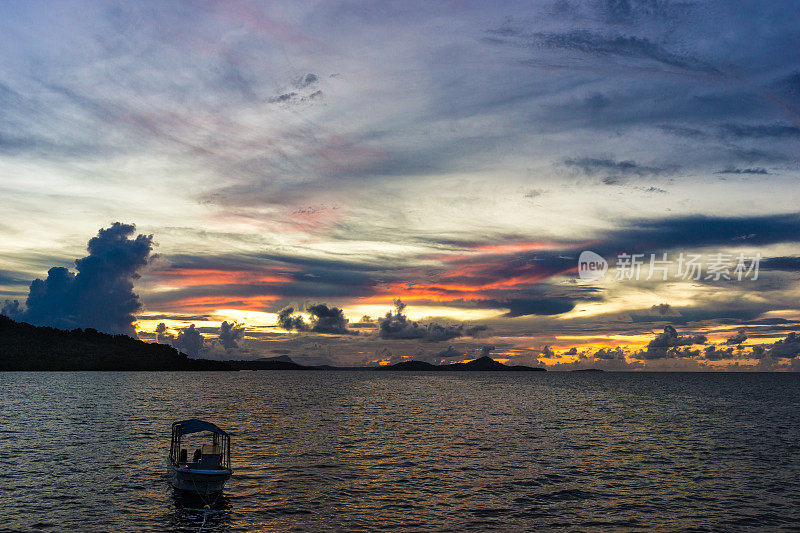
[{"x": 195, "y": 425}]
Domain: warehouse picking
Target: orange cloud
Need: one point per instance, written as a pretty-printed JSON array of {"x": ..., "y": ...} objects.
[
  {"x": 516, "y": 247},
  {"x": 209, "y": 304},
  {"x": 186, "y": 277}
]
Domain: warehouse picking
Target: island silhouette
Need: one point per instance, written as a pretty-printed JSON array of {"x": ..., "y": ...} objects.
[
  {"x": 24, "y": 347},
  {"x": 482, "y": 364}
]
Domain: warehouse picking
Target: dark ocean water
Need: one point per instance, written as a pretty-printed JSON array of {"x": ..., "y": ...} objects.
[{"x": 408, "y": 451}]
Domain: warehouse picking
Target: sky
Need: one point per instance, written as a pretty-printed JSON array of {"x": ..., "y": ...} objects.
[{"x": 363, "y": 183}]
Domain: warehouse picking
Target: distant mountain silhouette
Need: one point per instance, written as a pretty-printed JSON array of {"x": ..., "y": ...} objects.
[
  {"x": 484, "y": 363},
  {"x": 410, "y": 365},
  {"x": 283, "y": 362},
  {"x": 284, "y": 358},
  {"x": 27, "y": 347}
]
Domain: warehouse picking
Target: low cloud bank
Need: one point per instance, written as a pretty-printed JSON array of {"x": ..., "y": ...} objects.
[{"x": 397, "y": 326}]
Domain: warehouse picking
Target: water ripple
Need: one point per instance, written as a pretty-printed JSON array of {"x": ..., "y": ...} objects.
[{"x": 361, "y": 451}]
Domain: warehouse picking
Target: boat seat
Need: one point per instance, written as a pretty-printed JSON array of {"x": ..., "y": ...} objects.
[{"x": 211, "y": 461}]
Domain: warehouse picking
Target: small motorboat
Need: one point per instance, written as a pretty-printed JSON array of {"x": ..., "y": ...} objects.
[{"x": 210, "y": 466}]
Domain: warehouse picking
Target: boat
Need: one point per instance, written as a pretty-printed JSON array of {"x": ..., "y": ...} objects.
[{"x": 210, "y": 465}]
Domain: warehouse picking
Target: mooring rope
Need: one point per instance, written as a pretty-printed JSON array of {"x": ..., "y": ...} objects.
[{"x": 209, "y": 507}]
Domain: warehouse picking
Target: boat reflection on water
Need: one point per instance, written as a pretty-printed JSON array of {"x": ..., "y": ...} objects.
[{"x": 189, "y": 515}]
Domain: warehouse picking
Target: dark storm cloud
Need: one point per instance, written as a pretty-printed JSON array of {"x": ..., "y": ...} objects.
[
  {"x": 786, "y": 263},
  {"x": 324, "y": 319},
  {"x": 786, "y": 348},
  {"x": 666, "y": 353},
  {"x": 759, "y": 352},
  {"x": 290, "y": 322},
  {"x": 230, "y": 334},
  {"x": 699, "y": 231},
  {"x": 668, "y": 345},
  {"x": 397, "y": 326},
  {"x": 100, "y": 294},
  {"x": 539, "y": 306},
  {"x": 670, "y": 337},
  {"x": 740, "y": 337}
]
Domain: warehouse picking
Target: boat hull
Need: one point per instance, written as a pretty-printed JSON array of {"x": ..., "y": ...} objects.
[{"x": 203, "y": 482}]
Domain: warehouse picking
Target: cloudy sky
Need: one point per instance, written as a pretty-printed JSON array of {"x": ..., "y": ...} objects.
[{"x": 334, "y": 157}]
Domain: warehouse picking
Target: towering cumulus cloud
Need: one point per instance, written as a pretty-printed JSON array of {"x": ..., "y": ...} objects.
[
  {"x": 99, "y": 294},
  {"x": 230, "y": 333},
  {"x": 324, "y": 319},
  {"x": 189, "y": 341}
]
